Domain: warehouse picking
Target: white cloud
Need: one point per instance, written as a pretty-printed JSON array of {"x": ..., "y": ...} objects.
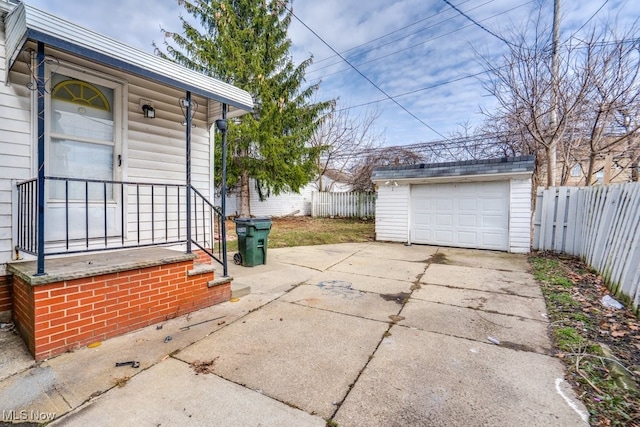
[{"x": 431, "y": 43}]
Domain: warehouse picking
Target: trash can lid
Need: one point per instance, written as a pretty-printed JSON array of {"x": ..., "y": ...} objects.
[
  {"x": 243, "y": 220},
  {"x": 264, "y": 219}
]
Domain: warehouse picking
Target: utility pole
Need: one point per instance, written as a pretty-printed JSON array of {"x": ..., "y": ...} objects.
[{"x": 553, "y": 118}]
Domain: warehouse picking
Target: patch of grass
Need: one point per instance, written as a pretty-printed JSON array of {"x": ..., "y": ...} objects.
[
  {"x": 562, "y": 298},
  {"x": 563, "y": 282},
  {"x": 542, "y": 267},
  {"x": 307, "y": 231},
  {"x": 550, "y": 271},
  {"x": 581, "y": 317},
  {"x": 568, "y": 339}
]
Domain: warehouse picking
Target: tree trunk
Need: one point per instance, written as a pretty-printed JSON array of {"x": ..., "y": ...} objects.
[
  {"x": 591, "y": 169},
  {"x": 245, "y": 208},
  {"x": 635, "y": 176},
  {"x": 550, "y": 151},
  {"x": 608, "y": 164}
]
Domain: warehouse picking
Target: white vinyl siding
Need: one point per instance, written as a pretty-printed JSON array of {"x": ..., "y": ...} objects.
[
  {"x": 156, "y": 153},
  {"x": 520, "y": 216},
  {"x": 392, "y": 213},
  {"x": 15, "y": 144},
  {"x": 283, "y": 204}
]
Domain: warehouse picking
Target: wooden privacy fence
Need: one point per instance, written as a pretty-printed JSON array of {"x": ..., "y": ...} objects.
[
  {"x": 326, "y": 204},
  {"x": 599, "y": 224}
]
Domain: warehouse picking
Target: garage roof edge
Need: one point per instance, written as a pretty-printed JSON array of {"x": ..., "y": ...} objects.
[{"x": 520, "y": 165}]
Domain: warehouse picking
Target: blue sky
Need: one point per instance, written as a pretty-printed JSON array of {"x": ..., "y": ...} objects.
[{"x": 402, "y": 46}]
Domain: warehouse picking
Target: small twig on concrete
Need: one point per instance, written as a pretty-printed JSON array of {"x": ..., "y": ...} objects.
[{"x": 184, "y": 328}]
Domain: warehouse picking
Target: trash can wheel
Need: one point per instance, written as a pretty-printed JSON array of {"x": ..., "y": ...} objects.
[{"x": 237, "y": 259}]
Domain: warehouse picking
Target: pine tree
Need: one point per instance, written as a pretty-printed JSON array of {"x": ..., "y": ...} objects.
[{"x": 245, "y": 43}]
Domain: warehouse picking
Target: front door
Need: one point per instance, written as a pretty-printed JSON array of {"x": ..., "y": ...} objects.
[{"x": 83, "y": 143}]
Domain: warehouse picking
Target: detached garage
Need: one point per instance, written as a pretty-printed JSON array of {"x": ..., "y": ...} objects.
[{"x": 482, "y": 204}]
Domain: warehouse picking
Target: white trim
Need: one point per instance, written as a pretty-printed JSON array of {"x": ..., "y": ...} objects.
[
  {"x": 456, "y": 178},
  {"x": 26, "y": 22}
]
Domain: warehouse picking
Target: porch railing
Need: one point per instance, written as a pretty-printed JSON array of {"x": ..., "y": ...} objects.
[{"x": 88, "y": 215}]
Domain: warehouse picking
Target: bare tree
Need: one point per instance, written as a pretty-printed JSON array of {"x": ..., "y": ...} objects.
[
  {"x": 342, "y": 138},
  {"x": 530, "y": 101},
  {"x": 611, "y": 109},
  {"x": 385, "y": 156}
]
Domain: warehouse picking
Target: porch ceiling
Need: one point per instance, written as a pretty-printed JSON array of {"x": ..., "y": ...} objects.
[{"x": 26, "y": 23}]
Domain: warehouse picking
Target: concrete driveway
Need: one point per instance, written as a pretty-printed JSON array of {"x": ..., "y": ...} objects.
[{"x": 369, "y": 334}]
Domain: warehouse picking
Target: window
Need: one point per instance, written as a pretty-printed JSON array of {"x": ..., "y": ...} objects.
[
  {"x": 576, "y": 170},
  {"x": 600, "y": 176},
  {"x": 81, "y": 143}
]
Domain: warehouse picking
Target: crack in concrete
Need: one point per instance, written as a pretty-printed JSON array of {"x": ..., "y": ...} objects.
[
  {"x": 386, "y": 334},
  {"x": 483, "y": 290}
]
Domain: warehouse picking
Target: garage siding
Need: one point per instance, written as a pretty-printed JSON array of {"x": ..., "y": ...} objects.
[
  {"x": 520, "y": 216},
  {"x": 392, "y": 207}
]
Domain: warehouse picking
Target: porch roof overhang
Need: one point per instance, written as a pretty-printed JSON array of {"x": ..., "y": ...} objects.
[
  {"x": 26, "y": 23},
  {"x": 463, "y": 171}
]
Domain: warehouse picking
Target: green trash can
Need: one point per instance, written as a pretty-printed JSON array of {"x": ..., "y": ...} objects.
[{"x": 252, "y": 241}]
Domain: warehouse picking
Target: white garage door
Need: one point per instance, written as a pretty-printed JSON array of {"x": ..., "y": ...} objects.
[{"x": 467, "y": 215}]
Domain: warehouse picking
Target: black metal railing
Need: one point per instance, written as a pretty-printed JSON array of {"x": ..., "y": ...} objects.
[
  {"x": 28, "y": 216},
  {"x": 208, "y": 231},
  {"x": 86, "y": 215}
]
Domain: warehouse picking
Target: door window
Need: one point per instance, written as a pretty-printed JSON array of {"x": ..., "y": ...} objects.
[{"x": 82, "y": 139}]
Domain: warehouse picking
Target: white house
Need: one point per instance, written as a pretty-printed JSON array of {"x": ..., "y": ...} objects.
[
  {"x": 287, "y": 203},
  {"x": 484, "y": 204},
  {"x": 102, "y": 147}
]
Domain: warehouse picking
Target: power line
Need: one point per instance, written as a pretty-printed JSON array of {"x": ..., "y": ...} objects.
[
  {"x": 397, "y": 39},
  {"x": 423, "y": 42},
  {"x": 433, "y": 86},
  {"x": 388, "y": 34},
  {"x": 365, "y": 77},
  {"x": 588, "y": 20},
  {"x": 479, "y": 141},
  {"x": 477, "y": 23}
]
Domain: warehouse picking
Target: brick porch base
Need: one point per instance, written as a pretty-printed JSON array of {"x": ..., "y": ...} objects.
[
  {"x": 5, "y": 297},
  {"x": 65, "y": 310}
]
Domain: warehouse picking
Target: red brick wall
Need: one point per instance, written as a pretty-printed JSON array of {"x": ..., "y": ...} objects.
[
  {"x": 70, "y": 314},
  {"x": 23, "y": 311},
  {"x": 202, "y": 257},
  {"x": 5, "y": 293}
]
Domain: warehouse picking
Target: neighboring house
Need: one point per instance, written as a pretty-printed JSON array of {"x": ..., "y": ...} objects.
[
  {"x": 335, "y": 182},
  {"x": 483, "y": 204},
  {"x": 284, "y": 204},
  {"x": 607, "y": 169},
  {"x": 287, "y": 203},
  {"x": 102, "y": 146}
]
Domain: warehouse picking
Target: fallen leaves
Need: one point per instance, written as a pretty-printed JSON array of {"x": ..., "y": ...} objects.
[
  {"x": 601, "y": 327},
  {"x": 204, "y": 367},
  {"x": 122, "y": 381}
]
